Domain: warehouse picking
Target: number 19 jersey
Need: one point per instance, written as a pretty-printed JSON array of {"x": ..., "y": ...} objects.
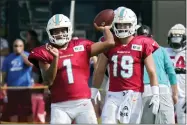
[
  {"x": 71, "y": 82},
  {"x": 126, "y": 64}
]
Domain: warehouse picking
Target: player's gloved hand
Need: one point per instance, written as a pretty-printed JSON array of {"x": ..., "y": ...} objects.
[
  {"x": 155, "y": 101},
  {"x": 95, "y": 95},
  {"x": 184, "y": 107}
]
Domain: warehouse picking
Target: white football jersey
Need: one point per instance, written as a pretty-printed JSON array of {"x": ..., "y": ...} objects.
[{"x": 179, "y": 61}]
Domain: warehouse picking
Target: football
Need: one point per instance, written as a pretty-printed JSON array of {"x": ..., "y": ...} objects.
[{"x": 104, "y": 18}]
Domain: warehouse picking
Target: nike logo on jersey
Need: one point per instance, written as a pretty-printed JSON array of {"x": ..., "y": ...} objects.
[
  {"x": 136, "y": 47},
  {"x": 78, "y": 48}
]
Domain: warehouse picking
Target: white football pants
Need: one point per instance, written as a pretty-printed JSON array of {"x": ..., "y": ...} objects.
[
  {"x": 181, "y": 116},
  {"x": 80, "y": 110},
  {"x": 124, "y": 106}
]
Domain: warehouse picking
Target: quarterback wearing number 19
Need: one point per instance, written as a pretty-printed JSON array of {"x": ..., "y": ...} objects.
[
  {"x": 126, "y": 61},
  {"x": 64, "y": 64}
]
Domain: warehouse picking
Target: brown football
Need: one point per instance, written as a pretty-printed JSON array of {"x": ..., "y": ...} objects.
[{"x": 104, "y": 18}]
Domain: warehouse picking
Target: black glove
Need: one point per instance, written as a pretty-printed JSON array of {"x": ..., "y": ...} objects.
[
  {"x": 180, "y": 71},
  {"x": 184, "y": 107}
]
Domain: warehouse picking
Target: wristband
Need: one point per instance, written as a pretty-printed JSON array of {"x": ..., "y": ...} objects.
[
  {"x": 94, "y": 90},
  {"x": 155, "y": 90}
]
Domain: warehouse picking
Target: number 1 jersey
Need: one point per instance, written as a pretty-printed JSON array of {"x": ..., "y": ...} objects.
[
  {"x": 71, "y": 82},
  {"x": 126, "y": 63}
]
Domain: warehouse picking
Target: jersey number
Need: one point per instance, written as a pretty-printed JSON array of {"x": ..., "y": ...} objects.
[
  {"x": 68, "y": 65},
  {"x": 126, "y": 65},
  {"x": 180, "y": 62}
]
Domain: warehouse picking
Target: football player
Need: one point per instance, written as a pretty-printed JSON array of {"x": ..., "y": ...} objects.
[
  {"x": 177, "y": 43},
  {"x": 126, "y": 63},
  {"x": 64, "y": 63},
  {"x": 166, "y": 77}
]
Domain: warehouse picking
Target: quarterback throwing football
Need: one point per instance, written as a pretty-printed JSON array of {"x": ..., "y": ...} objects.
[{"x": 64, "y": 64}]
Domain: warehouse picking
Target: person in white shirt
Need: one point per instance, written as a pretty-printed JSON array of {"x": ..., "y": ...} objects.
[{"x": 177, "y": 53}]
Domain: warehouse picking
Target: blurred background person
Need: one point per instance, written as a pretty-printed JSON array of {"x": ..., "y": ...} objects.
[
  {"x": 144, "y": 30},
  {"x": 177, "y": 52},
  {"x": 38, "y": 103},
  {"x": 31, "y": 40},
  {"x": 16, "y": 72},
  {"x": 4, "y": 51},
  {"x": 166, "y": 77}
]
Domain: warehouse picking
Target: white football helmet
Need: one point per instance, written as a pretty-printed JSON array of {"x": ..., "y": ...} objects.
[
  {"x": 177, "y": 37},
  {"x": 124, "y": 15},
  {"x": 59, "y": 21}
]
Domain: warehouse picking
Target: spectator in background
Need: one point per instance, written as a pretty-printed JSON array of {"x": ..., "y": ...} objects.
[
  {"x": 4, "y": 51},
  {"x": 166, "y": 77},
  {"x": 31, "y": 40},
  {"x": 30, "y": 43},
  {"x": 16, "y": 72},
  {"x": 144, "y": 30},
  {"x": 177, "y": 52},
  {"x": 38, "y": 103}
]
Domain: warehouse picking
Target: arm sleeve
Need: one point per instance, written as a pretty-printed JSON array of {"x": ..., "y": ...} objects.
[{"x": 169, "y": 68}]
